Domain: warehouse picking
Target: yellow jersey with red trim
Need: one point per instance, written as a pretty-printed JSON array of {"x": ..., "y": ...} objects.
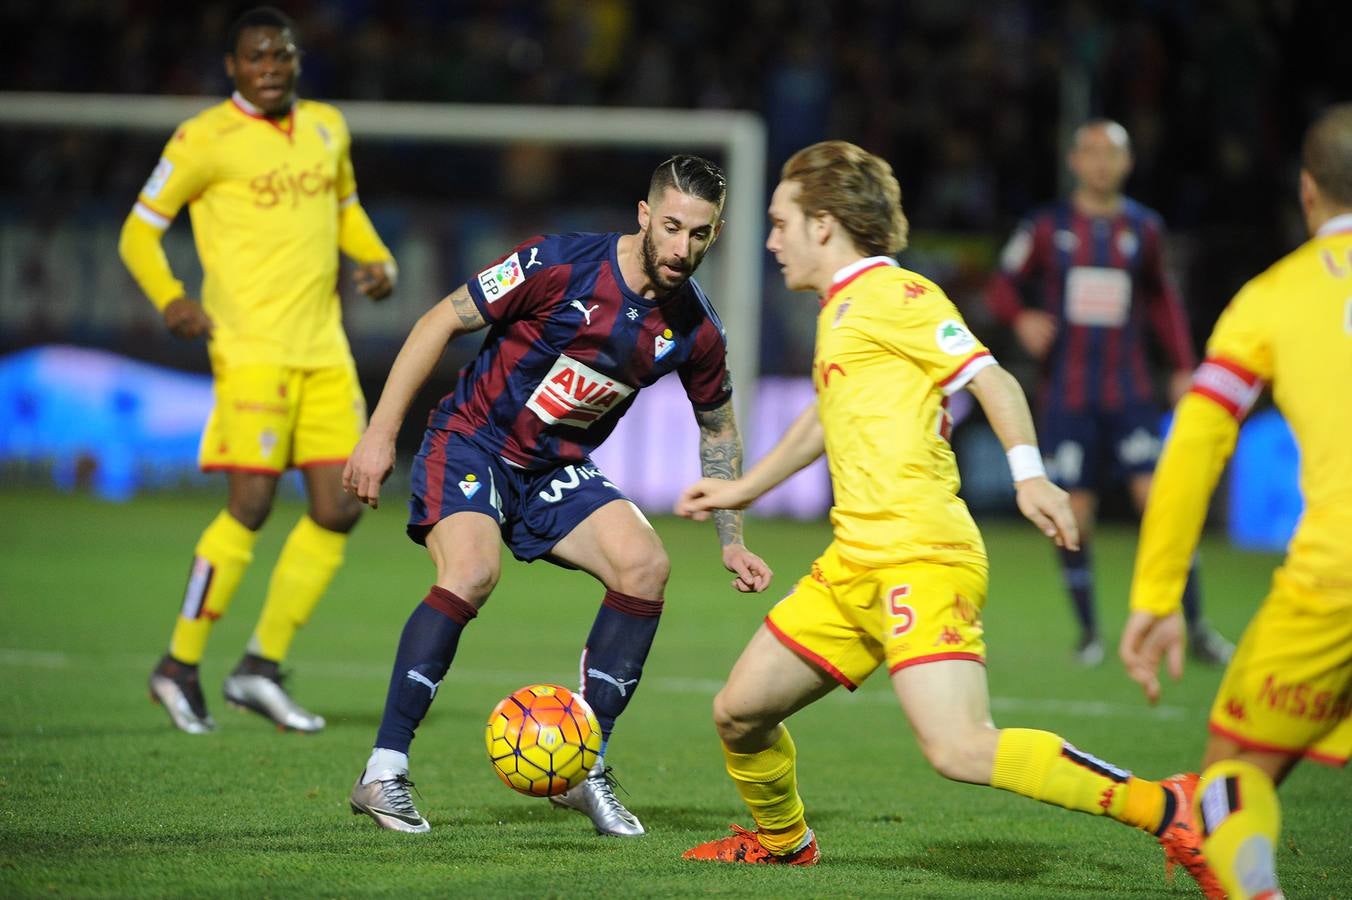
[
  {"x": 1291, "y": 328},
  {"x": 891, "y": 349},
  {"x": 271, "y": 203}
]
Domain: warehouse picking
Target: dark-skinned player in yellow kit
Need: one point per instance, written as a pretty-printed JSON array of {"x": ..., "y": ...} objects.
[{"x": 268, "y": 181}]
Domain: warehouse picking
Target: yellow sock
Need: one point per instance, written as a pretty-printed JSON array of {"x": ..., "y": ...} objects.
[
  {"x": 309, "y": 559},
  {"x": 1044, "y": 766},
  {"x": 1240, "y": 819},
  {"x": 769, "y": 787},
  {"x": 223, "y": 553}
]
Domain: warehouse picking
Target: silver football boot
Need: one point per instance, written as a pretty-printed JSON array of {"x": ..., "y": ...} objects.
[
  {"x": 1208, "y": 646},
  {"x": 256, "y": 685},
  {"x": 595, "y": 798},
  {"x": 176, "y": 687},
  {"x": 387, "y": 800}
]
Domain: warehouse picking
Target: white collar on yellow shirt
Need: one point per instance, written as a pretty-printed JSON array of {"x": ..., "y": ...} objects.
[
  {"x": 859, "y": 265},
  {"x": 1334, "y": 225}
]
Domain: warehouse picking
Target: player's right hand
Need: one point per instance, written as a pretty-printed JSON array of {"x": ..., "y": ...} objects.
[
  {"x": 186, "y": 319},
  {"x": 1048, "y": 507},
  {"x": 1148, "y": 640},
  {"x": 708, "y": 494},
  {"x": 1036, "y": 331},
  {"x": 371, "y": 462}
]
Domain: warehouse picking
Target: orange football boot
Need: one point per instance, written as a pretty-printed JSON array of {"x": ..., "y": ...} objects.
[
  {"x": 743, "y": 846},
  {"x": 1181, "y": 840}
]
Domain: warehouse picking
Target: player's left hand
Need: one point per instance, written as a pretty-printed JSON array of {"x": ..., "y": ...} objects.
[
  {"x": 1147, "y": 640},
  {"x": 753, "y": 575},
  {"x": 376, "y": 280},
  {"x": 708, "y": 494},
  {"x": 1048, "y": 507}
]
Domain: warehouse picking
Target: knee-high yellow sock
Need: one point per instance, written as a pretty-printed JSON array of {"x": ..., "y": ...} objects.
[
  {"x": 769, "y": 786},
  {"x": 1240, "y": 819},
  {"x": 1044, "y": 766},
  {"x": 309, "y": 559},
  {"x": 223, "y": 553}
]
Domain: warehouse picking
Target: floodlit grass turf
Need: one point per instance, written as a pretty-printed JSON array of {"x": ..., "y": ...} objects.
[{"x": 100, "y": 797}]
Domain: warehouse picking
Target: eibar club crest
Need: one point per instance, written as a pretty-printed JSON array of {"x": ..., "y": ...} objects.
[
  {"x": 662, "y": 344},
  {"x": 469, "y": 485}
]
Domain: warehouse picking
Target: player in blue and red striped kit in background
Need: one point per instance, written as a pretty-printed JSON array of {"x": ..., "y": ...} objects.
[
  {"x": 578, "y": 323},
  {"x": 1082, "y": 283}
]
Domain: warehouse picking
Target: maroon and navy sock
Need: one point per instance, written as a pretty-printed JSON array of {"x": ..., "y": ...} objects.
[
  {"x": 1077, "y": 569},
  {"x": 1192, "y": 595},
  {"x": 612, "y": 661},
  {"x": 426, "y": 649}
]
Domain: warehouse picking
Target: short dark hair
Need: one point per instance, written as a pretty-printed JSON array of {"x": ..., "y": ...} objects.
[
  {"x": 258, "y": 17},
  {"x": 1327, "y": 153},
  {"x": 693, "y": 176},
  {"x": 856, "y": 188}
]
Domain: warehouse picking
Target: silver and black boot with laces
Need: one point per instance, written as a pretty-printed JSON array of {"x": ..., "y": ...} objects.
[
  {"x": 388, "y": 800},
  {"x": 595, "y": 798}
]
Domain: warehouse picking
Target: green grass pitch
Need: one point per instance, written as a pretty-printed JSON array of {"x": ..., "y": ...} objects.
[{"x": 100, "y": 797}]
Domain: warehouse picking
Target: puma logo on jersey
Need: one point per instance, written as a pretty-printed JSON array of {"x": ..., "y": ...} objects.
[
  {"x": 578, "y": 303},
  {"x": 621, "y": 686},
  {"x": 534, "y": 258},
  {"x": 573, "y": 393}
]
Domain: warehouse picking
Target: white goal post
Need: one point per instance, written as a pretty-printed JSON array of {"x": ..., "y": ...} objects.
[{"x": 740, "y": 136}]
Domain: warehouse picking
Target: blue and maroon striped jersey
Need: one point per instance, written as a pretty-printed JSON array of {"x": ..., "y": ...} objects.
[
  {"x": 569, "y": 346},
  {"x": 1104, "y": 279}
]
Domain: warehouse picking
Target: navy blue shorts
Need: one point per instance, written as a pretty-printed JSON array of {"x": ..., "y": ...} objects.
[
  {"x": 1082, "y": 448},
  {"x": 534, "y": 509}
]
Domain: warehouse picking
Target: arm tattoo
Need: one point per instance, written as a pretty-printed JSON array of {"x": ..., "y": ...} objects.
[
  {"x": 469, "y": 314},
  {"x": 720, "y": 456}
]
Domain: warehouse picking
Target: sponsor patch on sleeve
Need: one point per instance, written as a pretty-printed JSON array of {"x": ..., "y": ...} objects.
[
  {"x": 953, "y": 338},
  {"x": 498, "y": 281},
  {"x": 158, "y": 178}
]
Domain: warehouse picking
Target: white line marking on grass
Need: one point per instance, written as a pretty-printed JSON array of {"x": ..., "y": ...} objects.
[
  {"x": 34, "y": 659},
  {"x": 1090, "y": 709}
]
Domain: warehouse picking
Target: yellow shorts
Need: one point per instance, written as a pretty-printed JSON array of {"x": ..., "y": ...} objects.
[
  {"x": 848, "y": 619},
  {"x": 1289, "y": 687},
  {"x": 269, "y": 418}
]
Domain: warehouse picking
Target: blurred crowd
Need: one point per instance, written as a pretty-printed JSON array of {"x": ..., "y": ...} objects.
[{"x": 971, "y": 101}]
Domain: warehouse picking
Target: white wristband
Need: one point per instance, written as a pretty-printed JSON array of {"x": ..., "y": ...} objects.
[{"x": 1025, "y": 461}]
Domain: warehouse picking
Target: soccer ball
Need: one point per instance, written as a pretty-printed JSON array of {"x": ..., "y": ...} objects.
[{"x": 542, "y": 740}]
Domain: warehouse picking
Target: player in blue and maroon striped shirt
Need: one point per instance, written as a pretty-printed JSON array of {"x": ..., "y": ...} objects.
[
  {"x": 577, "y": 325},
  {"x": 1083, "y": 285}
]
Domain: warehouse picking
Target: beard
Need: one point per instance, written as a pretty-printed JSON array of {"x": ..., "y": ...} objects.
[{"x": 654, "y": 273}]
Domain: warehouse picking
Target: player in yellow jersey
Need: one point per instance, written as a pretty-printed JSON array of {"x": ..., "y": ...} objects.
[
  {"x": 1288, "y": 691},
  {"x": 904, "y": 582},
  {"x": 268, "y": 182}
]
